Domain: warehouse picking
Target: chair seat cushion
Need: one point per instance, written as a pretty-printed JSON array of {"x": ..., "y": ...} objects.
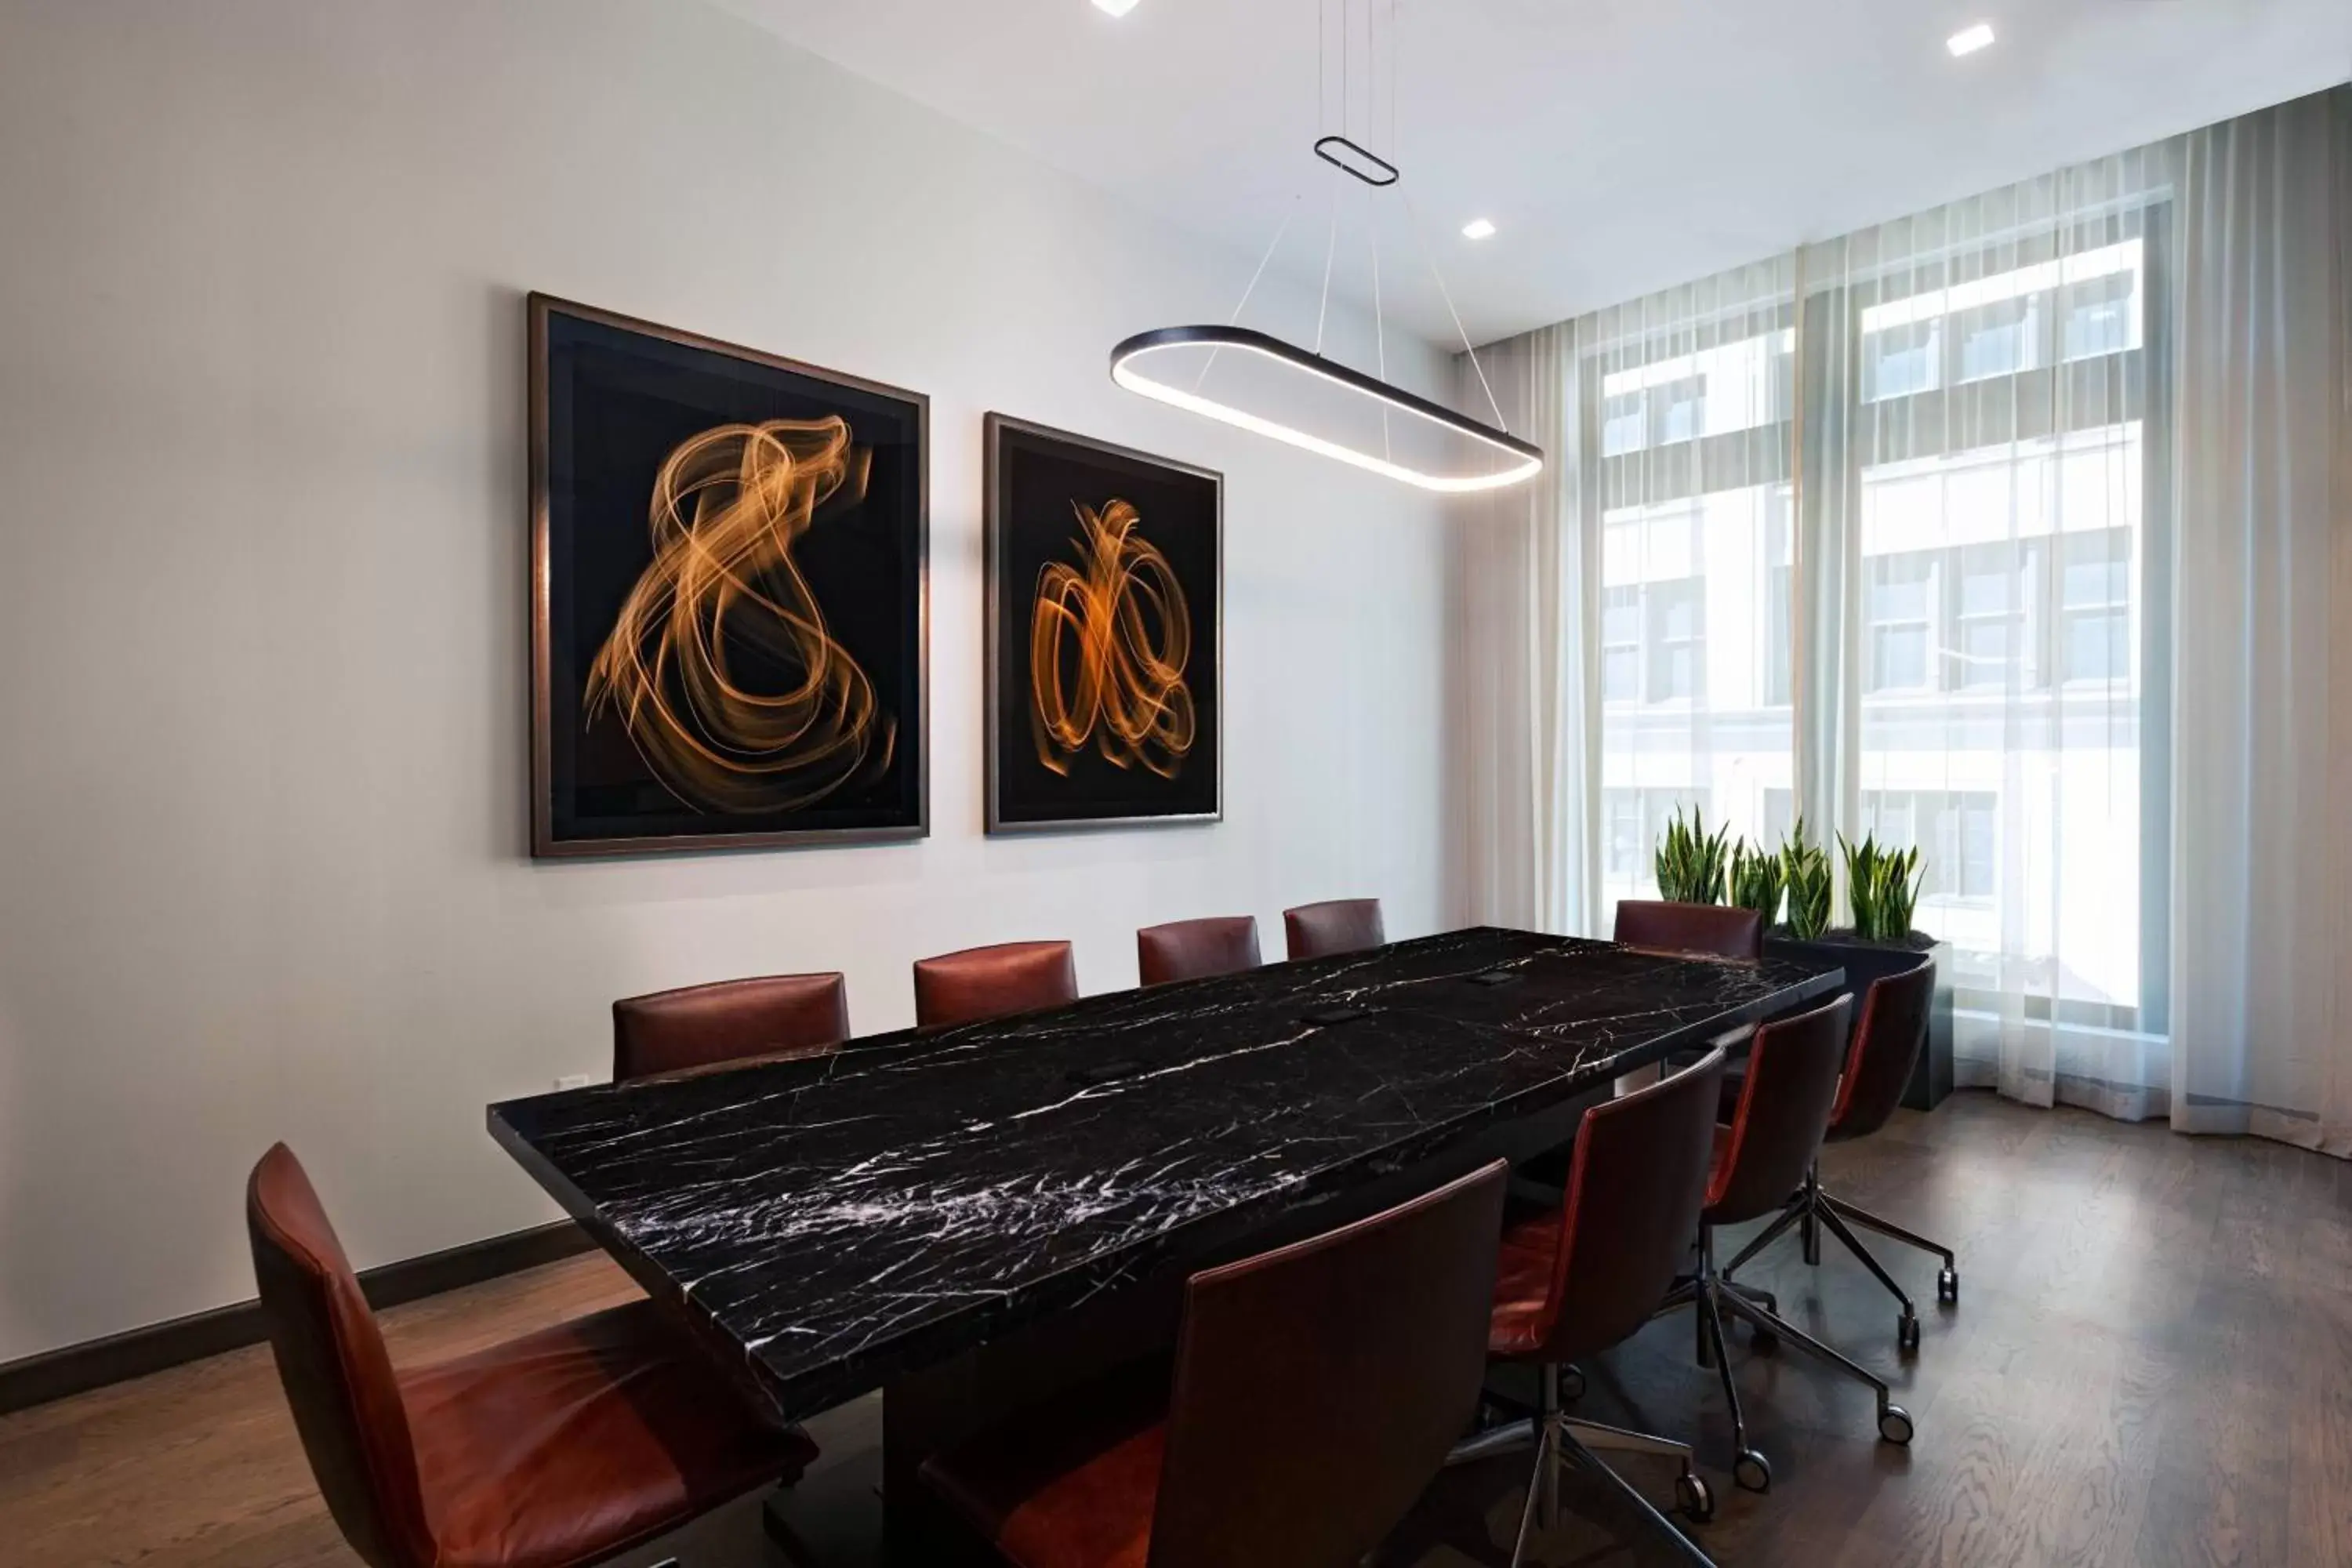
[
  {"x": 1072, "y": 1484},
  {"x": 566, "y": 1444},
  {"x": 1523, "y": 1274}
]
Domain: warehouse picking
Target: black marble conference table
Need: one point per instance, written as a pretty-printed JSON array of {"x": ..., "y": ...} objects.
[{"x": 967, "y": 1218}]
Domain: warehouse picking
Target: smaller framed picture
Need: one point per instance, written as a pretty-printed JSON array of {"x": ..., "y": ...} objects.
[{"x": 1105, "y": 581}]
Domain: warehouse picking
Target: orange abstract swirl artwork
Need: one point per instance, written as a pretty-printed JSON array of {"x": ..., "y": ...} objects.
[
  {"x": 1108, "y": 640},
  {"x": 728, "y": 505}
]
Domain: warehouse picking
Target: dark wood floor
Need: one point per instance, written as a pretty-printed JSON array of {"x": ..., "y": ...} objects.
[{"x": 2151, "y": 1364}]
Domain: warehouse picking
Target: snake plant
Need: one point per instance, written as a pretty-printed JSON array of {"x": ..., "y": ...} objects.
[
  {"x": 1805, "y": 867},
  {"x": 1690, "y": 861},
  {"x": 1883, "y": 886},
  {"x": 1757, "y": 881}
]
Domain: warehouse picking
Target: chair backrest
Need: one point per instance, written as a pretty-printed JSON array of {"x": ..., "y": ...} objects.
[
  {"x": 1319, "y": 1386},
  {"x": 1784, "y": 1112},
  {"x": 1342, "y": 925},
  {"x": 1631, "y": 1207},
  {"x": 1193, "y": 949},
  {"x": 1886, "y": 1048},
  {"x": 1717, "y": 930},
  {"x": 991, "y": 981},
  {"x": 338, "y": 1378},
  {"x": 701, "y": 1025}
]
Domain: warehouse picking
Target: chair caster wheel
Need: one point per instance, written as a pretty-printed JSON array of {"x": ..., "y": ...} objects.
[
  {"x": 1694, "y": 1498},
  {"x": 1948, "y": 1287},
  {"x": 1907, "y": 1333},
  {"x": 1571, "y": 1383},
  {"x": 1752, "y": 1472},
  {"x": 1895, "y": 1424},
  {"x": 1763, "y": 1341}
]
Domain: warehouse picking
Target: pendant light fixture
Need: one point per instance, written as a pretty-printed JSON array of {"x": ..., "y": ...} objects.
[{"x": 1146, "y": 363}]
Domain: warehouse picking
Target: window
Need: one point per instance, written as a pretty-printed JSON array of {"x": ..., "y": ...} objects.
[
  {"x": 1690, "y": 402},
  {"x": 2102, "y": 315},
  {"x": 2097, "y": 594},
  {"x": 1681, "y": 408},
  {"x": 1999, "y": 338},
  {"x": 1621, "y": 831},
  {"x": 1677, "y": 617},
  {"x": 1989, "y": 618},
  {"x": 1899, "y": 594},
  {"x": 1901, "y": 360},
  {"x": 2001, "y": 541},
  {"x": 1952, "y": 829},
  {"x": 1626, "y": 421},
  {"x": 1621, "y": 644}
]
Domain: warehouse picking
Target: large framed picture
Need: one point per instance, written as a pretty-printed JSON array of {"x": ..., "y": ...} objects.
[
  {"x": 729, "y": 612},
  {"x": 1106, "y": 572}
]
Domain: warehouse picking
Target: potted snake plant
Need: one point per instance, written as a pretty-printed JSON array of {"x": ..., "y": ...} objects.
[{"x": 1882, "y": 888}]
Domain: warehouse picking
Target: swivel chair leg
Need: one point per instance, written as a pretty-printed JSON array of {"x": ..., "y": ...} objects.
[
  {"x": 1894, "y": 1420},
  {"x": 1948, "y": 1283},
  {"x": 1907, "y": 1327}
]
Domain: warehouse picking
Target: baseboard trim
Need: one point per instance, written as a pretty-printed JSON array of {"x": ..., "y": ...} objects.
[{"x": 76, "y": 1368}]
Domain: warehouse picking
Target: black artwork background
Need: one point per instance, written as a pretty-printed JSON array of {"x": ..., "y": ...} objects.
[
  {"x": 618, "y": 402},
  {"x": 1035, "y": 477}
]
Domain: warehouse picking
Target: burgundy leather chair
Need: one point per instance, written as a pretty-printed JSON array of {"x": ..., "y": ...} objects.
[
  {"x": 1373, "y": 1334},
  {"x": 1877, "y": 1065},
  {"x": 1575, "y": 1279},
  {"x": 1759, "y": 1159},
  {"x": 1717, "y": 931},
  {"x": 562, "y": 1448},
  {"x": 1342, "y": 925},
  {"x": 1195, "y": 949},
  {"x": 982, "y": 982},
  {"x": 703, "y": 1025}
]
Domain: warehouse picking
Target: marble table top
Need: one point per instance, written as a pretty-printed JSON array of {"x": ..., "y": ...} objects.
[{"x": 834, "y": 1220}]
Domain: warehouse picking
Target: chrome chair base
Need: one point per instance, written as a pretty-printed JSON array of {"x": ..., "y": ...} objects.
[
  {"x": 1710, "y": 1294},
  {"x": 1812, "y": 1210},
  {"x": 1561, "y": 1440}
]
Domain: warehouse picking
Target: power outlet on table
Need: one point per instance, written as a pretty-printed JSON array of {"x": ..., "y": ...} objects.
[{"x": 575, "y": 1081}]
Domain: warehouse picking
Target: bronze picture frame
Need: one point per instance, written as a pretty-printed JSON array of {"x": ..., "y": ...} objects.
[
  {"x": 1023, "y": 529},
  {"x": 870, "y": 803}
]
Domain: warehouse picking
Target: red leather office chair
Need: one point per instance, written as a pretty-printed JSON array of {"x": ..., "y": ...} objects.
[
  {"x": 1342, "y": 925},
  {"x": 1716, "y": 930},
  {"x": 1760, "y": 1158},
  {"x": 1572, "y": 1281},
  {"x": 1376, "y": 1332},
  {"x": 1195, "y": 949},
  {"x": 562, "y": 1448},
  {"x": 982, "y": 982},
  {"x": 1878, "y": 1065},
  {"x": 703, "y": 1025}
]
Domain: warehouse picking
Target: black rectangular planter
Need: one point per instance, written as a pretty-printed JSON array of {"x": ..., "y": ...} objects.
[{"x": 1865, "y": 961}]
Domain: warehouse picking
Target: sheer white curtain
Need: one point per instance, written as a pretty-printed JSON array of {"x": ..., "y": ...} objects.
[
  {"x": 1987, "y": 653},
  {"x": 2262, "y": 803},
  {"x": 1903, "y": 531},
  {"x": 1521, "y": 678},
  {"x": 1688, "y": 400}
]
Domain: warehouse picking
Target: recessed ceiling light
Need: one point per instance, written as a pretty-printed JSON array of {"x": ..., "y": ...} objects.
[
  {"x": 1477, "y": 228},
  {"x": 1115, "y": 7},
  {"x": 1967, "y": 41}
]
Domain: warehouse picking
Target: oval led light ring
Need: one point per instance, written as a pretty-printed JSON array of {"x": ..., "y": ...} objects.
[{"x": 1127, "y": 369}]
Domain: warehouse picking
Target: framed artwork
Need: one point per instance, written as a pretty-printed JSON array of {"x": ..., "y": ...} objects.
[
  {"x": 729, "y": 618},
  {"x": 1105, "y": 572}
]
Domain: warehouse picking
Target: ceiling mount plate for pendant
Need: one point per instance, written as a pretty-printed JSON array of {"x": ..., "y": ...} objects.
[
  {"x": 1352, "y": 158},
  {"x": 1130, "y": 366}
]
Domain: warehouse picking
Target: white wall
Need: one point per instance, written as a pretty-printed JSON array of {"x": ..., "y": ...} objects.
[{"x": 262, "y": 806}]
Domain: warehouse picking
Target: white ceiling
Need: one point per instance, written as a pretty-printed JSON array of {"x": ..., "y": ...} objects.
[{"x": 1620, "y": 145}]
